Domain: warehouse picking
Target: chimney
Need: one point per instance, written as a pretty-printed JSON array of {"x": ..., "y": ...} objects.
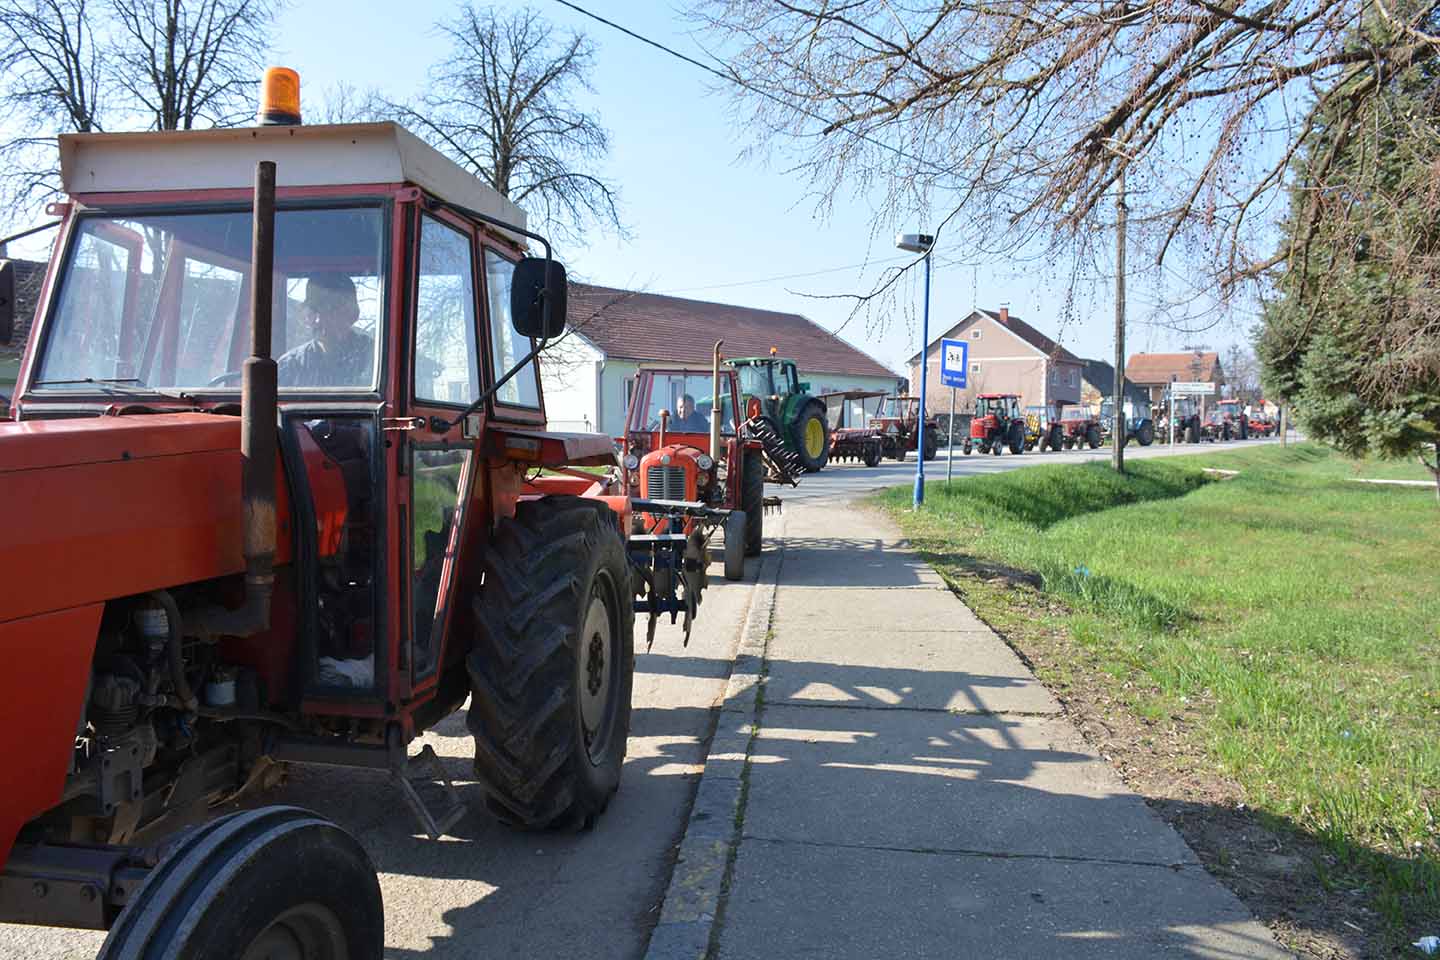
[{"x": 1005, "y": 313}]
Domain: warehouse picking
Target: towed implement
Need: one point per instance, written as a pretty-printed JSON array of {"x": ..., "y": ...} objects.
[
  {"x": 865, "y": 442},
  {"x": 280, "y": 471}
]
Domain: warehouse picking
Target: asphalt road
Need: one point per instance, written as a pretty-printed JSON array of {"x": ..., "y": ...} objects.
[
  {"x": 484, "y": 889},
  {"x": 843, "y": 480}
]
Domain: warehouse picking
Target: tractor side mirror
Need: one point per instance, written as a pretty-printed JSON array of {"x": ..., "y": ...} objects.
[
  {"x": 532, "y": 290},
  {"x": 7, "y": 301},
  {"x": 803, "y": 386}
]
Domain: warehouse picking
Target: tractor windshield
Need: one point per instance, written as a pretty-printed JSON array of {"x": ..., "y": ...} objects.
[
  {"x": 688, "y": 397},
  {"x": 162, "y": 301},
  {"x": 755, "y": 380}
]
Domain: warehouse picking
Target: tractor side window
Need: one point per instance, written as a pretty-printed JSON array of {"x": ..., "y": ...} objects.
[
  {"x": 437, "y": 482},
  {"x": 755, "y": 380},
  {"x": 96, "y": 307},
  {"x": 507, "y": 346},
  {"x": 446, "y": 368}
]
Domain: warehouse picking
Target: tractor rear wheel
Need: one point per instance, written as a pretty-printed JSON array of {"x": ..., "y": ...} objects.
[
  {"x": 1017, "y": 436},
  {"x": 932, "y": 445},
  {"x": 1192, "y": 430},
  {"x": 1092, "y": 436},
  {"x": 735, "y": 545},
  {"x": 812, "y": 436},
  {"x": 752, "y": 501},
  {"x": 872, "y": 455},
  {"x": 1146, "y": 433},
  {"x": 552, "y": 664},
  {"x": 277, "y": 882}
]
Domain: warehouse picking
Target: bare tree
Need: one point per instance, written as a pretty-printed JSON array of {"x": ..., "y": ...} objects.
[
  {"x": 50, "y": 62},
  {"x": 1027, "y": 112},
  {"x": 502, "y": 103},
  {"x": 191, "y": 62}
]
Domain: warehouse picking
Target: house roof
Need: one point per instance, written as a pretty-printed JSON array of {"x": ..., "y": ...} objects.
[
  {"x": 1034, "y": 338},
  {"x": 29, "y": 277},
  {"x": 1101, "y": 376},
  {"x": 632, "y": 325},
  {"x": 1155, "y": 368}
]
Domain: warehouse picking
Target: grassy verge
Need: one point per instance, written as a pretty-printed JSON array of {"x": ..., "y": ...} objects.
[{"x": 1275, "y": 633}]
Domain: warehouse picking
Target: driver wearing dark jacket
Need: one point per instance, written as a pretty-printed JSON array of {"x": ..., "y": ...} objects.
[{"x": 337, "y": 355}]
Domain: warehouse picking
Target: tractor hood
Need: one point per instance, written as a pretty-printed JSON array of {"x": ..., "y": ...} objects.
[{"x": 107, "y": 507}]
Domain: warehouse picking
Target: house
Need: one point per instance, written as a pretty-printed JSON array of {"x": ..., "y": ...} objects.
[
  {"x": 1097, "y": 383},
  {"x": 29, "y": 277},
  {"x": 1156, "y": 371},
  {"x": 588, "y": 376},
  {"x": 1007, "y": 355}
]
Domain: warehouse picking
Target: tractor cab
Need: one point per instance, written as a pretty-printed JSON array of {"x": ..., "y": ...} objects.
[{"x": 996, "y": 424}]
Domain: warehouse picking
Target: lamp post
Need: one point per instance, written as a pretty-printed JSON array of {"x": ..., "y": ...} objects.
[{"x": 920, "y": 243}]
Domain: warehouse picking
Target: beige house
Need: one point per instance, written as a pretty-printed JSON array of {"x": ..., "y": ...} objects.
[
  {"x": 1007, "y": 355},
  {"x": 1155, "y": 372}
]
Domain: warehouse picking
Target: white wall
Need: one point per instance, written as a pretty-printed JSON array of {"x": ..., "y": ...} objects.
[{"x": 568, "y": 376}]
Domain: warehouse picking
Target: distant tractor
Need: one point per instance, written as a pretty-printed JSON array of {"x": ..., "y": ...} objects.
[
  {"x": 864, "y": 443},
  {"x": 695, "y": 457},
  {"x": 280, "y": 491},
  {"x": 1043, "y": 429},
  {"x": 771, "y": 391},
  {"x": 898, "y": 423},
  {"x": 1138, "y": 424},
  {"x": 1233, "y": 413},
  {"x": 996, "y": 424}
]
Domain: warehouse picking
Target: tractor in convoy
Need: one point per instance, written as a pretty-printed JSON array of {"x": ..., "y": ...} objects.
[
  {"x": 898, "y": 423},
  {"x": 1244, "y": 425},
  {"x": 1137, "y": 422},
  {"x": 774, "y": 395},
  {"x": 1043, "y": 428},
  {"x": 280, "y": 492},
  {"x": 996, "y": 424},
  {"x": 848, "y": 441},
  {"x": 688, "y": 458},
  {"x": 1079, "y": 427}
]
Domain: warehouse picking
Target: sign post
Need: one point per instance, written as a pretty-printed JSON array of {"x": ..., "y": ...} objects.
[{"x": 954, "y": 362}]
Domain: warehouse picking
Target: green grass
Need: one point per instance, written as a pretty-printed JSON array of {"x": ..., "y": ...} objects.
[{"x": 1291, "y": 613}]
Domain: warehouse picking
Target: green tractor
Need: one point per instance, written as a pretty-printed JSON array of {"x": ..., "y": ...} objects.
[{"x": 773, "y": 392}]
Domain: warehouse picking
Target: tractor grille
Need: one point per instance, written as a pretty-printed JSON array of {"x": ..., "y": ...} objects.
[{"x": 665, "y": 483}]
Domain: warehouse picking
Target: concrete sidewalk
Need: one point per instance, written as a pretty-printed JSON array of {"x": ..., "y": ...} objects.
[{"x": 902, "y": 786}]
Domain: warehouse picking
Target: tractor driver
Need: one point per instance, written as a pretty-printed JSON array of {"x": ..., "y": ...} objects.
[
  {"x": 337, "y": 355},
  {"x": 687, "y": 420}
]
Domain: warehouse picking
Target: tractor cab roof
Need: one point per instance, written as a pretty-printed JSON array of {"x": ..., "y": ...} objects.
[
  {"x": 852, "y": 395},
  {"x": 997, "y": 396},
  {"x": 349, "y": 154},
  {"x": 744, "y": 361}
]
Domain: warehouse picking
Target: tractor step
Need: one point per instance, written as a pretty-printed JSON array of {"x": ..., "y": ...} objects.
[{"x": 434, "y": 826}]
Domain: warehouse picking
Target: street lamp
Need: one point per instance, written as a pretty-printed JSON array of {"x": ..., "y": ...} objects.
[{"x": 920, "y": 243}]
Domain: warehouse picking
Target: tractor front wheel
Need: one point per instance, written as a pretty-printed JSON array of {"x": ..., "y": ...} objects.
[
  {"x": 552, "y": 664},
  {"x": 1092, "y": 436},
  {"x": 932, "y": 445},
  {"x": 1017, "y": 437},
  {"x": 812, "y": 437},
  {"x": 1146, "y": 433},
  {"x": 872, "y": 455},
  {"x": 277, "y": 882},
  {"x": 752, "y": 501},
  {"x": 735, "y": 545}
]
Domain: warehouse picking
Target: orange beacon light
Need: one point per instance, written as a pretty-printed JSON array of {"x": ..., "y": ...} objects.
[{"x": 279, "y": 97}]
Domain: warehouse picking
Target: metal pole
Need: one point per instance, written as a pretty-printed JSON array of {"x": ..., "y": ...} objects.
[
  {"x": 1119, "y": 426},
  {"x": 1172, "y": 418},
  {"x": 924, "y": 378},
  {"x": 950, "y": 447}
]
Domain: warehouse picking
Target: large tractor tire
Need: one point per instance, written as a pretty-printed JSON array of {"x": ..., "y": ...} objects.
[
  {"x": 735, "y": 545},
  {"x": 932, "y": 445},
  {"x": 273, "y": 882},
  {"x": 1192, "y": 430},
  {"x": 811, "y": 432},
  {"x": 1016, "y": 436},
  {"x": 1146, "y": 433},
  {"x": 752, "y": 501},
  {"x": 1092, "y": 436},
  {"x": 872, "y": 455},
  {"x": 552, "y": 664},
  {"x": 1056, "y": 437}
]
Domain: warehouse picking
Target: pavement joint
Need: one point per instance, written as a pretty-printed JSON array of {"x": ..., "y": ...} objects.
[
  {"x": 901, "y": 708},
  {"x": 968, "y": 852}
]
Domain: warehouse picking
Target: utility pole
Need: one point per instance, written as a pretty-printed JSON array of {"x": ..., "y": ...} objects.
[{"x": 1118, "y": 421}]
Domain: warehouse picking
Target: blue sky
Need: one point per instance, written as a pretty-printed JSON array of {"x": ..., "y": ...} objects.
[{"x": 704, "y": 223}]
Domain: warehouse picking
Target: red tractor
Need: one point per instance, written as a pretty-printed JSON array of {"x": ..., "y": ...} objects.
[
  {"x": 1235, "y": 423},
  {"x": 281, "y": 492},
  {"x": 1080, "y": 427},
  {"x": 686, "y": 461},
  {"x": 898, "y": 423},
  {"x": 996, "y": 424}
]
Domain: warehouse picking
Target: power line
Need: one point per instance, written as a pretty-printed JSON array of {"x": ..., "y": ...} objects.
[
  {"x": 731, "y": 78},
  {"x": 788, "y": 276}
]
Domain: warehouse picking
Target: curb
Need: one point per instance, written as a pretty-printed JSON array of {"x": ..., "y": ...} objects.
[{"x": 692, "y": 904}]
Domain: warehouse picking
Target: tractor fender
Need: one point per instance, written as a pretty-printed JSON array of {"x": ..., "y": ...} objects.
[{"x": 42, "y": 698}]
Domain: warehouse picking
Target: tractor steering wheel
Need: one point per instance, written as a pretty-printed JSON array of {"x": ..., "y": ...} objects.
[{"x": 222, "y": 379}]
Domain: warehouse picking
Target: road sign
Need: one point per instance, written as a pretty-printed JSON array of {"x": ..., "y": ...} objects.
[
  {"x": 1192, "y": 389},
  {"x": 954, "y": 361}
]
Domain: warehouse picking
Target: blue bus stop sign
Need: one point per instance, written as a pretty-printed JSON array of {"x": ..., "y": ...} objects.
[{"x": 954, "y": 361}]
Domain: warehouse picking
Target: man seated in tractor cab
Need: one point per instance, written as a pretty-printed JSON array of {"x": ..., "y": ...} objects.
[
  {"x": 687, "y": 420},
  {"x": 338, "y": 355}
]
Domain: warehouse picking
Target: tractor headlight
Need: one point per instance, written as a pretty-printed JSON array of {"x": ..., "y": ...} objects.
[
  {"x": 632, "y": 462},
  {"x": 704, "y": 462}
]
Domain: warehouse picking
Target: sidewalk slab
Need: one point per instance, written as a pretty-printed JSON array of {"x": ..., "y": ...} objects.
[
  {"x": 1020, "y": 786},
  {"x": 874, "y": 611},
  {"x": 795, "y": 900},
  {"x": 971, "y": 672}
]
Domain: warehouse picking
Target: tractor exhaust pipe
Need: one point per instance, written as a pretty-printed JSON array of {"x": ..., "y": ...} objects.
[
  {"x": 258, "y": 438},
  {"x": 715, "y": 405}
]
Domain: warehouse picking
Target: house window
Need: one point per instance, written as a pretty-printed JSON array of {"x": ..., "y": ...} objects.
[
  {"x": 629, "y": 390},
  {"x": 975, "y": 367},
  {"x": 975, "y": 334},
  {"x": 1072, "y": 378},
  {"x": 1054, "y": 377}
]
